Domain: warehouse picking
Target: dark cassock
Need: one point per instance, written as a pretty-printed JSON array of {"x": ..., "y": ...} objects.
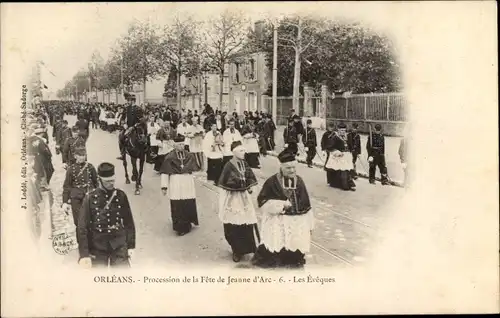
[
  {"x": 260, "y": 130},
  {"x": 81, "y": 178},
  {"x": 213, "y": 147},
  {"x": 177, "y": 178},
  {"x": 236, "y": 209},
  {"x": 250, "y": 142},
  {"x": 339, "y": 161},
  {"x": 287, "y": 218},
  {"x": 106, "y": 230}
]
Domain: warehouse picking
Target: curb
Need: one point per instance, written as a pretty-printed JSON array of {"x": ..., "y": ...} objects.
[{"x": 360, "y": 174}]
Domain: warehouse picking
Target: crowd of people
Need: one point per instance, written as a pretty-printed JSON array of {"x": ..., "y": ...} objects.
[{"x": 179, "y": 141}]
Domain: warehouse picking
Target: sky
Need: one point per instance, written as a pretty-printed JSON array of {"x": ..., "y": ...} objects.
[{"x": 64, "y": 35}]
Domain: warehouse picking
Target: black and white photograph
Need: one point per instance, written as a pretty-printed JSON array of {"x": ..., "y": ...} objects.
[{"x": 249, "y": 150}]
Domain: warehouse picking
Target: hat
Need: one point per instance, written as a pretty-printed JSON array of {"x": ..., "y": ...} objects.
[
  {"x": 378, "y": 127},
  {"x": 341, "y": 126},
  {"x": 286, "y": 156},
  {"x": 106, "y": 171},
  {"x": 295, "y": 117},
  {"x": 80, "y": 151},
  {"x": 179, "y": 138},
  {"x": 74, "y": 129},
  {"x": 236, "y": 144},
  {"x": 309, "y": 121},
  {"x": 355, "y": 125}
]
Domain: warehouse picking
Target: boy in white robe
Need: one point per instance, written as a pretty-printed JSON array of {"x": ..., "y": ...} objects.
[
  {"x": 213, "y": 147},
  {"x": 230, "y": 135}
]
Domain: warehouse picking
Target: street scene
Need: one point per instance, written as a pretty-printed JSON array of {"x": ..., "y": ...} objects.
[{"x": 276, "y": 142}]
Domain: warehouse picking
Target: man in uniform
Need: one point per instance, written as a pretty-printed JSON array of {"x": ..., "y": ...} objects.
[
  {"x": 62, "y": 134},
  {"x": 73, "y": 142},
  {"x": 105, "y": 230},
  {"x": 132, "y": 115},
  {"x": 83, "y": 125},
  {"x": 354, "y": 144},
  {"x": 291, "y": 138},
  {"x": 376, "y": 155},
  {"x": 81, "y": 178},
  {"x": 310, "y": 142}
]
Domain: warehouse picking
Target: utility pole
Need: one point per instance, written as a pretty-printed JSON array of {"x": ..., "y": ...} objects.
[{"x": 275, "y": 73}]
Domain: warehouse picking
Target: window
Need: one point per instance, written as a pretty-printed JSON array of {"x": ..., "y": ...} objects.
[
  {"x": 252, "y": 69},
  {"x": 237, "y": 75}
]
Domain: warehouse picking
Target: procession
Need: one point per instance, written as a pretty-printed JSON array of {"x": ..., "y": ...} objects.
[
  {"x": 275, "y": 230},
  {"x": 134, "y": 175}
]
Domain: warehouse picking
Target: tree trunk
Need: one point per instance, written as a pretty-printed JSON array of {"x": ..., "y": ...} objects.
[
  {"x": 144, "y": 89},
  {"x": 179, "y": 106},
  {"x": 296, "y": 71},
  {"x": 221, "y": 88}
]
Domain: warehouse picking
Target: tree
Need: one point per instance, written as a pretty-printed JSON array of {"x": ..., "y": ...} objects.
[
  {"x": 225, "y": 36},
  {"x": 138, "y": 50},
  {"x": 178, "y": 49},
  {"x": 347, "y": 56}
]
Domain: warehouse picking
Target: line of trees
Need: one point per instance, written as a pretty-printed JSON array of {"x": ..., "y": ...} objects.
[{"x": 347, "y": 56}]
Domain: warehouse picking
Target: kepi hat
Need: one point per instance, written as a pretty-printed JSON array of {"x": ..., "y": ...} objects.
[
  {"x": 106, "y": 171},
  {"x": 286, "y": 156}
]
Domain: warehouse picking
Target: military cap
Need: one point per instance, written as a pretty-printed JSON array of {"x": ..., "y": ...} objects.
[
  {"x": 341, "y": 126},
  {"x": 355, "y": 125},
  {"x": 295, "y": 117},
  {"x": 106, "y": 170},
  {"x": 236, "y": 144},
  {"x": 80, "y": 151},
  {"x": 309, "y": 121},
  {"x": 286, "y": 156},
  {"x": 179, "y": 138},
  {"x": 75, "y": 129},
  {"x": 378, "y": 126}
]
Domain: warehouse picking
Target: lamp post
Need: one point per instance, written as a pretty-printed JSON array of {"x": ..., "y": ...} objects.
[{"x": 205, "y": 76}]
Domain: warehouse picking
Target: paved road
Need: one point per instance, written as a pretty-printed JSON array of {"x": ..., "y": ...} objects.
[
  {"x": 347, "y": 222},
  {"x": 394, "y": 168}
]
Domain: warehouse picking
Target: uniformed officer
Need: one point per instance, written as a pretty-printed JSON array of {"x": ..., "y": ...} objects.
[
  {"x": 132, "y": 115},
  {"x": 354, "y": 144},
  {"x": 375, "y": 147},
  {"x": 63, "y": 133},
  {"x": 70, "y": 144},
  {"x": 106, "y": 230},
  {"x": 81, "y": 178}
]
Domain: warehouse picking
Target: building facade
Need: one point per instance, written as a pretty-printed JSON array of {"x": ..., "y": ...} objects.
[{"x": 249, "y": 79}]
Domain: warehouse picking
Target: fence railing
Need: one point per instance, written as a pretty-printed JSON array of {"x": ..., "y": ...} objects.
[{"x": 387, "y": 107}]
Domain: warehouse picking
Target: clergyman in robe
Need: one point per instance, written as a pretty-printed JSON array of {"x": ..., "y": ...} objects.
[
  {"x": 236, "y": 210},
  {"x": 287, "y": 218},
  {"x": 177, "y": 180}
]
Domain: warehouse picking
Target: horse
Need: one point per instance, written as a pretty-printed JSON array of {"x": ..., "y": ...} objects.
[{"x": 136, "y": 146}]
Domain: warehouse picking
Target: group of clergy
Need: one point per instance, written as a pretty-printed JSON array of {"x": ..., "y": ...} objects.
[{"x": 284, "y": 234}]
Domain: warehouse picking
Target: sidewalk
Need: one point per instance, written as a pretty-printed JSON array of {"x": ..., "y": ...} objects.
[{"x": 394, "y": 168}]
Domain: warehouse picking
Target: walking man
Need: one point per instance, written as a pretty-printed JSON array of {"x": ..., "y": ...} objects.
[{"x": 105, "y": 230}]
